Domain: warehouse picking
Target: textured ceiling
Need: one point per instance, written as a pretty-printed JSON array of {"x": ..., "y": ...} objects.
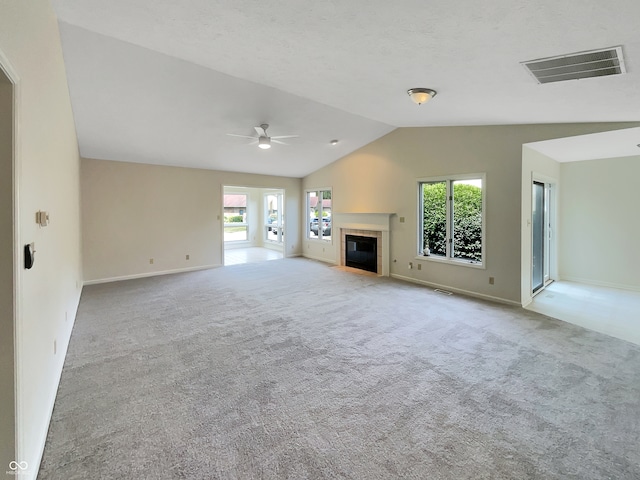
[{"x": 323, "y": 70}]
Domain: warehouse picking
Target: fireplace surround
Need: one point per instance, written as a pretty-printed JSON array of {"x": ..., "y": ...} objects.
[{"x": 373, "y": 225}]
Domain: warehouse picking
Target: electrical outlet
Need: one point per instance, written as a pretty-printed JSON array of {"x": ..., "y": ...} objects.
[
  {"x": 187, "y": 256},
  {"x": 151, "y": 261},
  {"x": 401, "y": 219},
  {"x": 491, "y": 280},
  {"x": 410, "y": 265},
  {"x": 419, "y": 266}
]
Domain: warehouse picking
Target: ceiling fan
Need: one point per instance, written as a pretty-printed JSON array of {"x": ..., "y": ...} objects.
[{"x": 263, "y": 139}]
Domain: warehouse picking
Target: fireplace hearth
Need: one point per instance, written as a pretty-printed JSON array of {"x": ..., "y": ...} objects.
[{"x": 361, "y": 252}]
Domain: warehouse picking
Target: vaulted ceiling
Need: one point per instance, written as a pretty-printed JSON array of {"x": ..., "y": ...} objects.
[{"x": 160, "y": 81}]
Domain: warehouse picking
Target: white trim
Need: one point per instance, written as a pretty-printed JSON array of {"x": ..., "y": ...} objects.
[
  {"x": 456, "y": 290},
  {"x": 149, "y": 274},
  {"x": 619, "y": 286},
  {"x": 451, "y": 261},
  {"x": 319, "y": 259},
  {"x": 447, "y": 179},
  {"x": 279, "y": 241},
  {"x": 307, "y": 215},
  {"x": 14, "y": 78}
]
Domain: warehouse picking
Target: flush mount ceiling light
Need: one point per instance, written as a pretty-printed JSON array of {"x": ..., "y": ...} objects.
[
  {"x": 334, "y": 142},
  {"x": 421, "y": 95}
]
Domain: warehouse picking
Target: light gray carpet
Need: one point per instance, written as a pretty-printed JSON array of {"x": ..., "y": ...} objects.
[{"x": 293, "y": 369}]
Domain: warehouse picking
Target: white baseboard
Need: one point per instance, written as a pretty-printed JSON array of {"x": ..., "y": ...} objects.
[
  {"x": 319, "y": 259},
  {"x": 149, "y": 274},
  {"x": 456, "y": 290},
  {"x": 596, "y": 283}
]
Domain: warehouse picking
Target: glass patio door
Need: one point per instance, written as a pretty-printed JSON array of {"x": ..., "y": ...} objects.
[{"x": 540, "y": 235}]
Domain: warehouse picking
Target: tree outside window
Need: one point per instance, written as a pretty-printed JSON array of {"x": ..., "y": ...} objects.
[{"x": 452, "y": 218}]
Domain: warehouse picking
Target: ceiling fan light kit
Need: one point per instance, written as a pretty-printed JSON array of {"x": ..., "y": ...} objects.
[
  {"x": 264, "y": 142},
  {"x": 421, "y": 95},
  {"x": 263, "y": 139}
]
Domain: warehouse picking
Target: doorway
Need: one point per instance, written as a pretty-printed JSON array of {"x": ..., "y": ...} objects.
[
  {"x": 541, "y": 235},
  {"x": 254, "y": 224},
  {"x": 8, "y": 272}
]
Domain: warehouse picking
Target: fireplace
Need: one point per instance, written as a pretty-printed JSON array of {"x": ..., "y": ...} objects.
[
  {"x": 361, "y": 252},
  {"x": 374, "y": 226}
]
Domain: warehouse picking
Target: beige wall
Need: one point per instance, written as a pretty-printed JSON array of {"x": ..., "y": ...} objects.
[
  {"x": 134, "y": 212},
  {"x": 600, "y": 227},
  {"x": 48, "y": 179},
  {"x": 382, "y": 177},
  {"x": 7, "y": 380}
]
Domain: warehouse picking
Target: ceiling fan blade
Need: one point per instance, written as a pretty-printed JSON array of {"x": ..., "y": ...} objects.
[
  {"x": 286, "y": 136},
  {"x": 262, "y": 132},
  {"x": 241, "y": 136},
  {"x": 278, "y": 141}
]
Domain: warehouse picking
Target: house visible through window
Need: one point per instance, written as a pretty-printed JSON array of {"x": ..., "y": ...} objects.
[
  {"x": 452, "y": 218},
  {"x": 235, "y": 217},
  {"x": 319, "y": 214}
]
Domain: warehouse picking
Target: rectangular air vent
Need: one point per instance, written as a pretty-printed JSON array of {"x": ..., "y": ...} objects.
[{"x": 576, "y": 66}]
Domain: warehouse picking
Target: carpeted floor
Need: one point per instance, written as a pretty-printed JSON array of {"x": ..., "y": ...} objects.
[{"x": 296, "y": 370}]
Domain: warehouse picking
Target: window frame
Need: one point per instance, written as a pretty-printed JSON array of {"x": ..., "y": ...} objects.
[
  {"x": 279, "y": 225},
  {"x": 308, "y": 218},
  {"x": 448, "y": 258}
]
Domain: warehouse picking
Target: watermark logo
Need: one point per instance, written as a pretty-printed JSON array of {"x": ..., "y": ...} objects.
[{"x": 16, "y": 468}]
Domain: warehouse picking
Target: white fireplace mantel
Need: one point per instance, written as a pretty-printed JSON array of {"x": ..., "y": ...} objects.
[
  {"x": 362, "y": 221},
  {"x": 376, "y": 223}
]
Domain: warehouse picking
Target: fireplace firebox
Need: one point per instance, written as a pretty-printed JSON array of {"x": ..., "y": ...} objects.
[{"x": 361, "y": 252}]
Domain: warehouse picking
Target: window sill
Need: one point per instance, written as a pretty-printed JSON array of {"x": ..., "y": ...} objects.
[
  {"x": 316, "y": 239},
  {"x": 451, "y": 261}
]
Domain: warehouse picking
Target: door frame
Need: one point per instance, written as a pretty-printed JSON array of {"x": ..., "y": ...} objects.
[
  {"x": 550, "y": 262},
  {"x": 16, "y": 166}
]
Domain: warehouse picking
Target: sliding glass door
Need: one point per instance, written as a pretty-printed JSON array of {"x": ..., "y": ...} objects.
[{"x": 540, "y": 235}]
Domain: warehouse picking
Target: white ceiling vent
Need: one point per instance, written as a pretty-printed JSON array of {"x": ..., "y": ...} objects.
[{"x": 576, "y": 66}]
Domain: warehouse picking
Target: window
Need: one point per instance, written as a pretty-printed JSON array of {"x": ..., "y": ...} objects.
[
  {"x": 319, "y": 214},
  {"x": 235, "y": 217},
  {"x": 273, "y": 217},
  {"x": 451, "y": 225}
]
